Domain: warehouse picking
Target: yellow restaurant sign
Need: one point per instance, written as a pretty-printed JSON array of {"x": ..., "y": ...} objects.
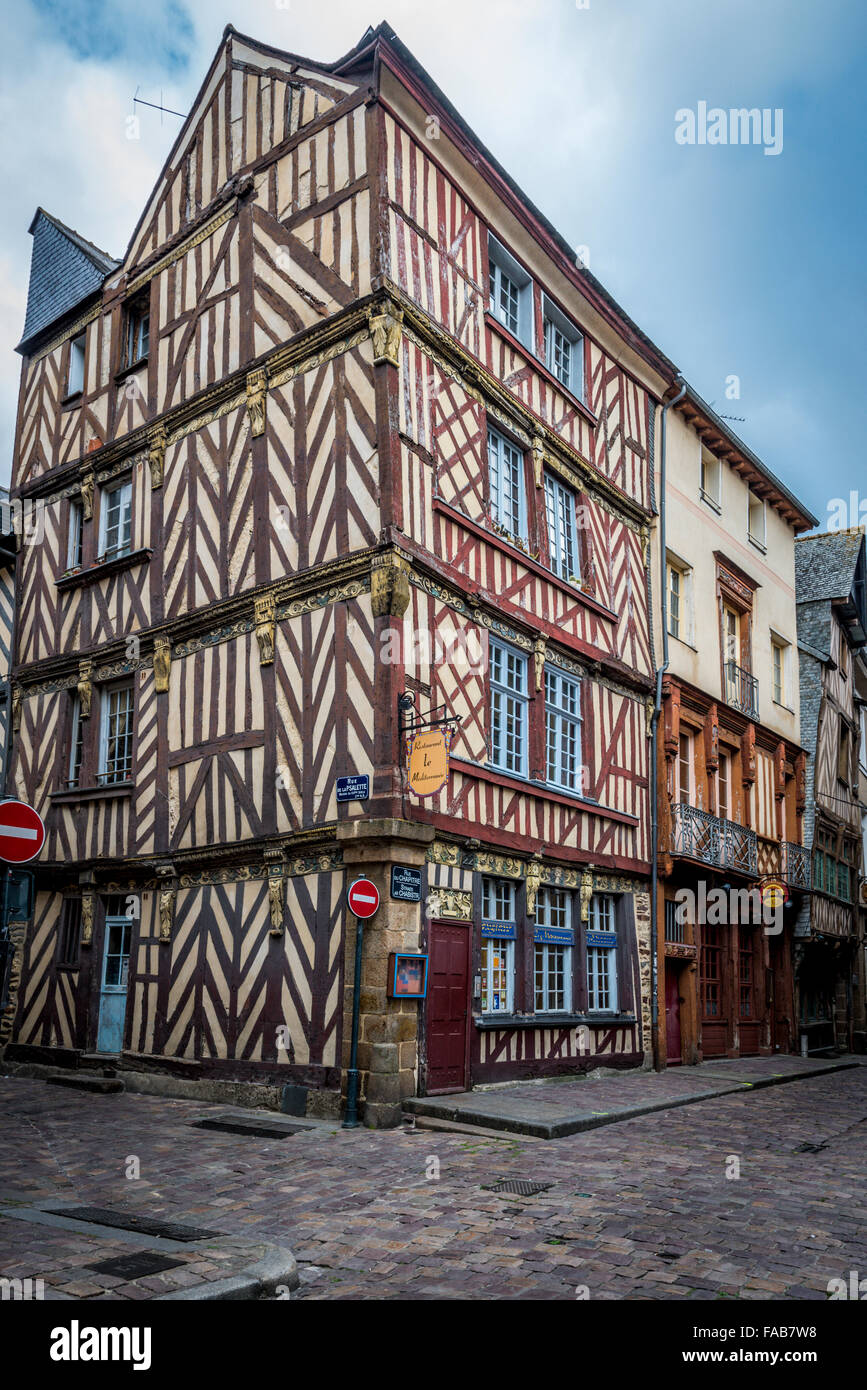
[
  {"x": 774, "y": 894},
  {"x": 429, "y": 760}
]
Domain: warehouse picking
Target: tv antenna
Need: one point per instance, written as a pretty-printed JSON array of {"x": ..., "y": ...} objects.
[{"x": 163, "y": 110}]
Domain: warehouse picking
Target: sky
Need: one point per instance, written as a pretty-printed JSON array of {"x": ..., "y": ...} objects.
[{"x": 746, "y": 268}]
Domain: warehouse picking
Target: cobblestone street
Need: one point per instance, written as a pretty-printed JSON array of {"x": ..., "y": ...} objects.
[{"x": 638, "y": 1209}]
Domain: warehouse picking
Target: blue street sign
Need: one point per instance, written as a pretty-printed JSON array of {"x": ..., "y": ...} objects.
[{"x": 353, "y": 788}]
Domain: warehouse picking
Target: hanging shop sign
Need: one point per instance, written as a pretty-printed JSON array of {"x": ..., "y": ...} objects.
[
  {"x": 774, "y": 893},
  {"x": 428, "y": 759},
  {"x": 407, "y": 975}
]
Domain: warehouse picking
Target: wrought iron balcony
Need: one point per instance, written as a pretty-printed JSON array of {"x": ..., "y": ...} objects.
[
  {"x": 742, "y": 690},
  {"x": 796, "y": 865},
  {"x": 723, "y": 844}
]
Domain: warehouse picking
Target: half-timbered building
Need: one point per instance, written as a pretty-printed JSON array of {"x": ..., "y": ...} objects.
[
  {"x": 348, "y": 429},
  {"x": 832, "y": 632},
  {"x": 731, "y": 768}
]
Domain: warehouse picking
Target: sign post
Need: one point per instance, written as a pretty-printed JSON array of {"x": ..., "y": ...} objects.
[
  {"x": 362, "y": 898},
  {"x": 22, "y": 835}
]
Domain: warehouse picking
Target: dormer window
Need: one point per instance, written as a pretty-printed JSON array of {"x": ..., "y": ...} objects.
[
  {"x": 75, "y": 371},
  {"x": 138, "y": 319},
  {"x": 511, "y": 292}
]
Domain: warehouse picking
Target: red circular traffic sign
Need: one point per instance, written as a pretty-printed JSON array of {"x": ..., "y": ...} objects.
[
  {"x": 363, "y": 897},
  {"x": 22, "y": 833}
]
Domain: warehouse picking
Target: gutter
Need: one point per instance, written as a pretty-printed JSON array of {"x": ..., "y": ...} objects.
[{"x": 654, "y": 735}]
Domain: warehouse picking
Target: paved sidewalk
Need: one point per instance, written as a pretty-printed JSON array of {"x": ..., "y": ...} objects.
[{"x": 555, "y": 1107}]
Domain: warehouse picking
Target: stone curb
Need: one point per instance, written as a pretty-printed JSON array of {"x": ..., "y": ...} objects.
[
  {"x": 278, "y": 1268},
  {"x": 561, "y": 1129}
]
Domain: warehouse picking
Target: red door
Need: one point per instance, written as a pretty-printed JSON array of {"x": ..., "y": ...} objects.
[
  {"x": 672, "y": 1017},
  {"x": 447, "y": 1008}
]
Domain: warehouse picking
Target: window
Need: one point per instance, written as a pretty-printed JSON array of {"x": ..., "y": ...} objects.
[
  {"x": 562, "y": 529},
  {"x": 844, "y": 658},
  {"x": 553, "y": 951},
  {"x": 679, "y": 601},
  {"x": 756, "y": 520},
  {"x": 76, "y": 743},
  {"x": 710, "y": 976},
  {"x": 510, "y": 292},
  {"x": 745, "y": 981},
  {"x": 731, "y": 635},
  {"x": 75, "y": 374},
  {"x": 115, "y": 743},
  {"x": 70, "y": 932},
  {"x": 138, "y": 318},
  {"x": 831, "y": 872},
  {"x": 509, "y": 709},
  {"x": 684, "y": 770},
  {"x": 780, "y": 655},
  {"x": 722, "y": 785},
  {"x": 506, "y": 466},
  {"x": 564, "y": 350},
  {"x": 115, "y": 521},
  {"x": 74, "y": 536},
  {"x": 563, "y": 730},
  {"x": 711, "y": 478},
  {"x": 499, "y": 928},
  {"x": 843, "y": 759},
  {"x": 602, "y": 956},
  {"x": 675, "y": 929}
]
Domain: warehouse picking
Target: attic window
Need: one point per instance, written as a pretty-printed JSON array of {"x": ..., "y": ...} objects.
[
  {"x": 137, "y": 326},
  {"x": 756, "y": 520},
  {"x": 75, "y": 372}
]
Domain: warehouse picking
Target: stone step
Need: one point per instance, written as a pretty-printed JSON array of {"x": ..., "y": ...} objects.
[{"x": 98, "y": 1085}]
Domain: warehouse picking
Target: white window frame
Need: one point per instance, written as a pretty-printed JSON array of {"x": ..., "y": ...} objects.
[
  {"x": 504, "y": 268},
  {"x": 724, "y": 781},
  {"x": 75, "y": 536},
  {"x": 685, "y": 629},
  {"x": 754, "y": 501},
  {"x": 106, "y": 493},
  {"x": 544, "y": 952},
  {"x": 563, "y": 743},
  {"x": 710, "y": 473},
  {"x": 729, "y": 655},
  {"x": 510, "y": 699},
  {"x": 137, "y": 338},
  {"x": 602, "y": 918},
  {"x": 690, "y": 768},
  {"x": 554, "y": 320},
  {"x": 499, "y": 904},
  {"x": 508, "y": 490},
  {"x": 104, "y": 777},
  {"x": 75, "y": 371},
  {"x": 561, "y": 514},
  {"x": 779, "y": 644},
  {"x": 73, "y": 771}
]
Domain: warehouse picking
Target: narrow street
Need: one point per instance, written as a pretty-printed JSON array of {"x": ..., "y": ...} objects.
[{"x": 638, "y": 1209}]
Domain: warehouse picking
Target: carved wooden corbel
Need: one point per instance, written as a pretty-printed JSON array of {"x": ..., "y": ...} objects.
[
  {"x": 533, "y": 883},
  {"x": 264, "y": 609},
  {"x": 539, "y": 459},
  {"x": 389, "y": 587},
  {"x": 157, "y": 441},
  {"x": 85, "y": 688},
  {"x": 167, "y": 895},
  {"x": 162, "y": 664},
  {"x": 87, "y": 496},
  {"x": 87, "y": 905},
  {"x": 386, "y": 329},
  {"x": 540, "y": 652},
  {"x": 16, "y": 707},
  {"x": 257, "y": 395},
  {"x": 276, "y": 898},
  {"x": 586, "y": 893}
]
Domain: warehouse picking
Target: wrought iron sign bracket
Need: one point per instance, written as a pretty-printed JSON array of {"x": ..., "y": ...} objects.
[{"x": 409, "y": 721}]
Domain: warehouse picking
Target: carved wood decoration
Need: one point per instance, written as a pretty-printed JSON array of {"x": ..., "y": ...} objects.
[{"x": 162, "y": 664}]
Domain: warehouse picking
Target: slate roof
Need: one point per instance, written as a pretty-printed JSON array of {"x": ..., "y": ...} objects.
[
  {"x": 825, "y": 564},
  {"x": 64, "y": 270}
]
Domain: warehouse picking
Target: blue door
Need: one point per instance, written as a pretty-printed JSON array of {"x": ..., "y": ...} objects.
[{"x": 112, "y": 998}]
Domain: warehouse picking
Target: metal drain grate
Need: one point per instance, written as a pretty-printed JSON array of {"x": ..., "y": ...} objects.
[
  {"x": 258, "y": 1131},
  {"x": 135, "y": 1266},
  {"x": 521, "y": 1187},
  {"x": 128, "y": 1221}
]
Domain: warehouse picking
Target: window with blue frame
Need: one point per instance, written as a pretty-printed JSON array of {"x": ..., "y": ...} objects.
[
  {"x": 499, "y": 929},
  {"x": 601, "y": 946}
]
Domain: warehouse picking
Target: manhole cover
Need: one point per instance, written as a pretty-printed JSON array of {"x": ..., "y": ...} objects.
[
  {"x": 127, "y": 1221},
  {"x": 258, "y": 1131},
  {"x": 522, "y": 1187},
  {"x": 135, "y": 1266}
]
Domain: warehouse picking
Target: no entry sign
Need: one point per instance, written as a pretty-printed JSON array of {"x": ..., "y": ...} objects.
[
  {"x": 22, "y": 833},
  {"x": 363, "y": 897}
]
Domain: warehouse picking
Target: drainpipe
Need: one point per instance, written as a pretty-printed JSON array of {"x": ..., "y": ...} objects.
[{"x": 654, "y": 734}]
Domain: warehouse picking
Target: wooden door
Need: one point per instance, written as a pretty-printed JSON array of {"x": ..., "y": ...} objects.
[
  {"x": 112, "y": 997},
  {"x": 673, "y": 1048},
  {"x": 448, "y": 1004}
]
